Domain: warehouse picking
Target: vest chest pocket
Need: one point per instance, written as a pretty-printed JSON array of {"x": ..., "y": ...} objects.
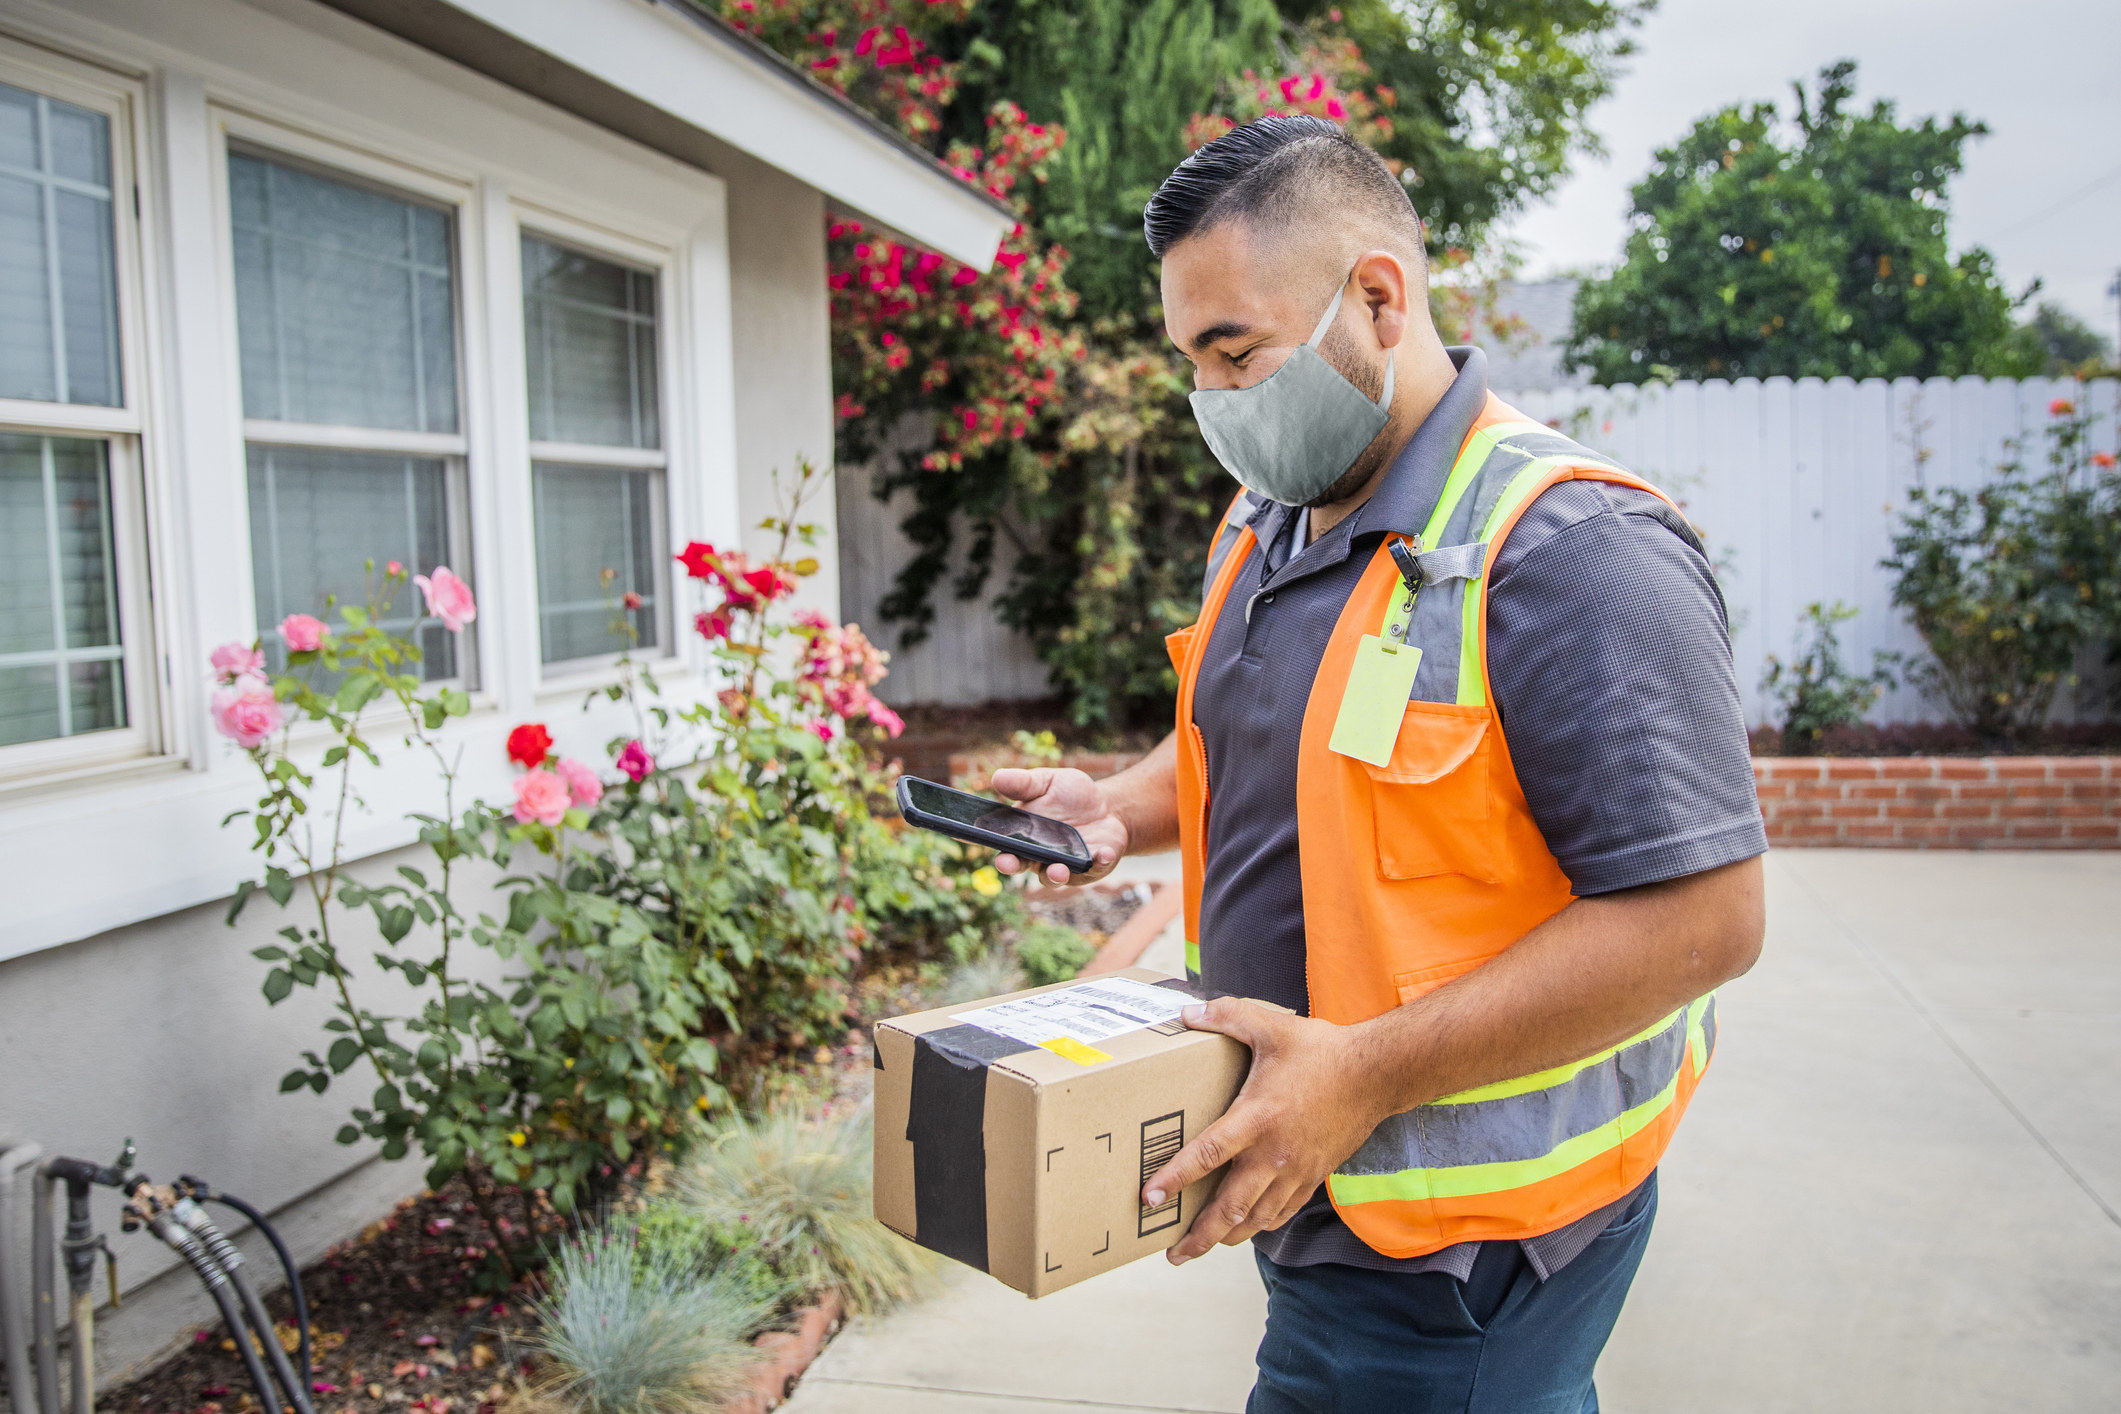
[{"x": 1433, "y": 800}]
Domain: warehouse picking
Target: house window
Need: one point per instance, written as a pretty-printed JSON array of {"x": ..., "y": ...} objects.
[
  {"x": 596, "y": 451},
  {"x": 346, "y": 324},
  {"x": 71, "y": 581}
]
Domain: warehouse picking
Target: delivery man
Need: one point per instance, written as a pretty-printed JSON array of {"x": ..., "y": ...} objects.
[{"x": 1460, "y": 778}]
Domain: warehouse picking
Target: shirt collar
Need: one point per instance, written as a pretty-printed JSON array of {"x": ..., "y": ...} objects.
[{"x": 1407, "y": 497}]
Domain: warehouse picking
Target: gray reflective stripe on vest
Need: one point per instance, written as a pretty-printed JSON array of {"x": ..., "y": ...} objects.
[
  {"x": 1439, "y": 627},
  {"x": 1226, "y": 534},
  {"x": 1531, "y": 1125}
]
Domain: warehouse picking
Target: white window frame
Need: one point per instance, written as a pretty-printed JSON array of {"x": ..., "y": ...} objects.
[
  {"x": 543, "y": 222},
  {"x": 239, "y": 133},
  {"x": 123, "y": 431}
]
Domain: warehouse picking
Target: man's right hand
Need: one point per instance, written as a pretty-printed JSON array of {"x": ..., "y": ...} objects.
[{"x": 1065, "y": 793}]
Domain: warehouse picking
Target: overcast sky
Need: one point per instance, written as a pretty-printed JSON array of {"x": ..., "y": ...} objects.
[{"x": 2044, "y": 74}]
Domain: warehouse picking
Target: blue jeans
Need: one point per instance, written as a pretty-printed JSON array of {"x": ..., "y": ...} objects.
[{"x": 1342, "y": 1340}]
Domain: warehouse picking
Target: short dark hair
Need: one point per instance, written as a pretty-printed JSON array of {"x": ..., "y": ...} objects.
[{"x": 1268, "y": 173}]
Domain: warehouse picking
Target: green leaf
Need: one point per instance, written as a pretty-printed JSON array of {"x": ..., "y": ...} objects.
[
  {"x": 279, "y": 885},
  {"x": 394, "y": 924},
  {"x": 433, "y": 713},
  {"x": 419, "y": 880},
  {"x": 522, "y": 912},
  {"x": 243, "y": 892},
  {"x": 394, "y": 1148},
  {"x": 269, "y": 954},
  {"x": 357, "y": 691},
  {"x": 278, "y": 983},
  {"x": 293, "y": 1080},
  {"x": 344, "y": 1052},
  {"x": 348, "y": 1134},
  {"x": 333, "y": 756}
]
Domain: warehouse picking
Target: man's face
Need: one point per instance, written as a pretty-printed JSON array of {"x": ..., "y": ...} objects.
[{"x": 1237, "y": 307}]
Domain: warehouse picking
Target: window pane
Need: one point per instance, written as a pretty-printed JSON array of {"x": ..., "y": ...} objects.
[
  {"x": 317, "y": 516},
  {"x": 345, "y": 302},
  {"x": 591, "y": 334},
  {"x": 56, "y": 253},
  {"x": 58, "y": 591},
  {"x": 590, "y": 519}
]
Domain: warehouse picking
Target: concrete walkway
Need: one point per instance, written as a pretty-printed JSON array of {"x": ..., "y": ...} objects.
[{"x": 1899, "y": 1190}]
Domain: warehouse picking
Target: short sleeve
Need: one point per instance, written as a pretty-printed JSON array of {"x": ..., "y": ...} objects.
[{"x": 1610, "y": 663}]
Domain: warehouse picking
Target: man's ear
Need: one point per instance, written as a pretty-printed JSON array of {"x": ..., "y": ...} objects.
[{"x": 1387, "y": 289}]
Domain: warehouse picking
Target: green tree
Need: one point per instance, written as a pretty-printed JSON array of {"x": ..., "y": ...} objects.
[
  {"x": 2072, "y": 347},
  {"x": 1813, "y": 247}
]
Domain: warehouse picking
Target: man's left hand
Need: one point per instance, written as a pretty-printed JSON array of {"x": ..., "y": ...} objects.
[{"x": 1305, "y": 1106}]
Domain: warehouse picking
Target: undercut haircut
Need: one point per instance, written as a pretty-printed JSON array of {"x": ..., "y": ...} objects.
[{"x": 1275, "y": 174}]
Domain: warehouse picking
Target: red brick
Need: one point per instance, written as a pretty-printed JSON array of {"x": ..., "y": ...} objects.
[
  {"x": 1773, "y": 790},
  {"x": 1927, "y": 790},
  {"x": 1817, "y": 790},
  {"x": 2021, "y": 768},
  {"x": 1973, "y": 831},
  {"x": 1870, "y": 833},
  {"x": 2107, "y": 832},
  {"x": 1928, "y": 831},
  {"x": 2026, "y": 810},
  {"x": 2083, "y": 810},
  {"x": 1976, "y": 791},
  {"x": 2038, "y": 790},
  {"x": 1852, "y": 769},
  {"x": 1813, "y": 835},
  {"x": 2080, "y": 768},
  {"x": 1911, "y": 812},
  {"x": 1976, "y": 810},
  {"x": 2093, "y": 790},
  {"x": 1964, "y": 770},
  {"x": 1875, "y": 790},
  {"x": 1801, "y": 810},
  {"x": 1907, "y": 768}
]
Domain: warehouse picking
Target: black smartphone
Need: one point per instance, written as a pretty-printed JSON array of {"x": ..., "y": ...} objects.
[{"x": 979, "y": 820}]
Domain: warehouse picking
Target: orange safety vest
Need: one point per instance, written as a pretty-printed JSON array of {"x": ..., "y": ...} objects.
[{"x": 1420, "y": 870}]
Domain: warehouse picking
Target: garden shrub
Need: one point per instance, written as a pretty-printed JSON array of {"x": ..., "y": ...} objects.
[
  {"x": 1052, "y": 952},
  {"x": 2008, "y": 581},
  {"x": 986, "y": 976},
  {"x": 632, "y": 1328},
  {"x": 1816, "y": 691}
]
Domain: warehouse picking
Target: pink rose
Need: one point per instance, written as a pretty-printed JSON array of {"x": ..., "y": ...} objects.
[
  {"x": 448, "y": 598},
  {"x": 633, "y": 761},
  {"x": 235, "y": 660},
  {"x": 394, "y": 570},
  {"x": 302, "y": 633},
  {"x": 246, "y": 712},
  {"x": 883, "y": 716},
  {"x": 823, "y": 730},
  {"x": 582, "y": 783},
  {"x": 540, "y": 796}
]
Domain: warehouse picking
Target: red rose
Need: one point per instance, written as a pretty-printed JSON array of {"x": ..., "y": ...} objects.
[
  {"x": 529, "y": 745},
  {"x": 2061, "y": 407},
  {"x": 699, "y": 560}
]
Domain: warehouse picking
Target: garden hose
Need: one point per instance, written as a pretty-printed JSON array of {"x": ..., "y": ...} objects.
[
  {"x": 161, "y": 1220},
  {"x": 225, "y": 1254},
  {"x": 197, "y": 1188}
]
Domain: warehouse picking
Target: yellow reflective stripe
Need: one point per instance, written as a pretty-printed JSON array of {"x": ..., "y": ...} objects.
[
  {"x": 1193, "y": 957},
  {"x": 1469, "y": 1180},
  {"x": 1472, "y": 690},
  {"x": 1470, "y": 461},
  {"x": 1556, "y": 1075}
]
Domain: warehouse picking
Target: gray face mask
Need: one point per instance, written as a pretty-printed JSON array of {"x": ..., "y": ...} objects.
[{"x": 1294, "y": 433}]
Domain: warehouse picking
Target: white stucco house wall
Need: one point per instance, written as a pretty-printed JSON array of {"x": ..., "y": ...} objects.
[{"x": 524, "y": 287}]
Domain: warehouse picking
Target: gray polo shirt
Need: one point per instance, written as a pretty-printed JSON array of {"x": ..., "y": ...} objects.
[{"x": 1610, "y": 663}]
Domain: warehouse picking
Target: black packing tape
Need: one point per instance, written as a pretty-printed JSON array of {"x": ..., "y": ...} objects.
[{"x": 947, "y": 1127}]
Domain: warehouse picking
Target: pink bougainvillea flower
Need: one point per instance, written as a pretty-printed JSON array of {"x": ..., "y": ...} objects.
[
  {"x": 2061, "y": 407},
  {"x": 633, "y": 761},
  {"x": 448, "y": 598},
  {"x": 540, "y": 796},
  {"x": 246, "y": 712},
  {"x": 529, "y": 745},
  {"x": 883, "y": 716},
  {"x": 235, "y": 660},
  {"x": 582, "y": 783},
  {"x": 303, "y": 633}
]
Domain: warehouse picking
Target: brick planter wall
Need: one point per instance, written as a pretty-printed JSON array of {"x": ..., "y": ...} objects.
[{"x": 1942, "y": 802}]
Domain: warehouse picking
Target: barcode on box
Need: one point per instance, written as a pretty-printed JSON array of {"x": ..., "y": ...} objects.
[{"x": 1162, "y": 1138}]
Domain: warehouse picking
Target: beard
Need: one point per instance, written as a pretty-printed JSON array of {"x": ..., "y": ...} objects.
[{"x": 1339, "y": 349}]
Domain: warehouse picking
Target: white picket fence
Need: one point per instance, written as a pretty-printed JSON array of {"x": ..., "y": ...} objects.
[{"x": 1797, "y": 486}]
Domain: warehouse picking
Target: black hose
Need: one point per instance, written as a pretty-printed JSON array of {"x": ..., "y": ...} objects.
[
  {"x": 287, "y": 1265},
  {"x": 217, "y": 1286}
]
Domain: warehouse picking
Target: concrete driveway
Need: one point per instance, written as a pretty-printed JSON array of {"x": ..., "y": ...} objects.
[{"x": 1899, "y": 1189}]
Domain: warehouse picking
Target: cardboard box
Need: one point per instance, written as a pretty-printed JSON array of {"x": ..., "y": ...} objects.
[{"x": 1015, "y": 1134}]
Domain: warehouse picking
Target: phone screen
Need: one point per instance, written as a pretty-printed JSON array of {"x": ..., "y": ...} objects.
[{"x": 985, "y": 814}]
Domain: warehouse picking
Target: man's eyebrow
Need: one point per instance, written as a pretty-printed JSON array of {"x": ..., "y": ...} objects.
[{"x": 1216, "y": 333}]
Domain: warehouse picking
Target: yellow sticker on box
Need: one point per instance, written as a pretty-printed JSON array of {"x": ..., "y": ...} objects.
[{"x": 1075, "y": 1050}]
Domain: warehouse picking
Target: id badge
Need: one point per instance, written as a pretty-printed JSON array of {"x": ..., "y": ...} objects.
[{"x": 1375, "y": 702}]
